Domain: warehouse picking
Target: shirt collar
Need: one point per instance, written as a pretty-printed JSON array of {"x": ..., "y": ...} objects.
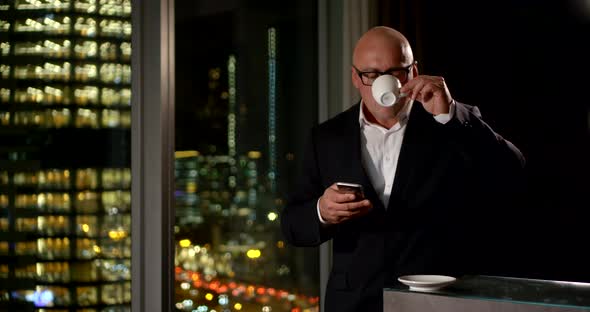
[{"x": 403, "y": 117}]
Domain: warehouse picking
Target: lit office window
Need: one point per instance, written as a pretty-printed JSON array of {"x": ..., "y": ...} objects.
[
  {"x": 49, "y": 5},
  {"x": 4, "y": 48},
  {"x": 4, "y": 95},
  {"x": 65, "y": 178},
  {"x": 49, "y": 48},
  {"x": 85, "y": 6},
  {"x": 4, "y": 26},
  {"x": 245, "y": 97},
  {"x": 4, "y": 71},
  {"x": 43, "y": 25}
]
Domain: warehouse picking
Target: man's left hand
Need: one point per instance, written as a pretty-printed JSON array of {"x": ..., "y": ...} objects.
[{"x": 431, "y": 91}]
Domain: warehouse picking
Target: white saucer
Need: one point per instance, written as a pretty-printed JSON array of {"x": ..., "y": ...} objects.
[{"x": 426, "y": 282}]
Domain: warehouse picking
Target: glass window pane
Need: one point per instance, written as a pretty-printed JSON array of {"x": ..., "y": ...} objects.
[
  {"x": 65, "y": 178},
  {"x": 245, "y": 97}
]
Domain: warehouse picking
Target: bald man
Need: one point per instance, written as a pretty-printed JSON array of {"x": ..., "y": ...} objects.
[{"x": 435, "y": 177}]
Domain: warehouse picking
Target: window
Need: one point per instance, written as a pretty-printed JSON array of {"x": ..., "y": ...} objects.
[{"x": 246, "y": 96}]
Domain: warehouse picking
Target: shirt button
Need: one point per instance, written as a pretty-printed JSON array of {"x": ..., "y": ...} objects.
[{"x": 387, "y": 158}]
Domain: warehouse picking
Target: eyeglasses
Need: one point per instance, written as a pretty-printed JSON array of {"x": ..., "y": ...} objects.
[{"x": 401, "y": 73}]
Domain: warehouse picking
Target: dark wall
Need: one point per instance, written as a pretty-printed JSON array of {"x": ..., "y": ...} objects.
[{"x": 524, "y": 64}]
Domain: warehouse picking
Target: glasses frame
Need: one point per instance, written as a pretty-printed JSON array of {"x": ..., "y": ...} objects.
[{"x": 387, "y": 72}]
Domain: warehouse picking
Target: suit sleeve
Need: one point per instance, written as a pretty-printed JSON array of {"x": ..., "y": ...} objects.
[
  {"x": 299, "y": 221},
  {"x": 500, "y": 205},
  {"x": 468, "y": 130}
]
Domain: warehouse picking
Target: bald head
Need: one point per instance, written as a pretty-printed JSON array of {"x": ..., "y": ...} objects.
[
  {"x": 382, "y": 45},
  {"x": 381, "y": 50}
]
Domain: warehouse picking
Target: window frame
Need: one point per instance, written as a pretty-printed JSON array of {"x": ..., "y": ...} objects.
[{"x": 152, "y": 155}]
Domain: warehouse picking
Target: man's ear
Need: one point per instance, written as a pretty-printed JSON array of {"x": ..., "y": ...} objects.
[
  {"x": 356, "y": 80},
  {"x": 415, "y": 70}
]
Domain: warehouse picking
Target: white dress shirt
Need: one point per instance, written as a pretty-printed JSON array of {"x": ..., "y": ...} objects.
[{"x": 380, "y": 149}]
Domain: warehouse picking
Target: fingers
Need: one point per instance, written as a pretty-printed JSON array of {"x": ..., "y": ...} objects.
[
  {"x": 336, "y": 195},
  {"x": 335, "y": 213},
  {"x": 431, "y": 91},
  {"x": 417, "y": 89},
  {"x": 337, "y": 207},
  {"x": 426, "y": 93},
  {"x": 352, "y": 207},
  {"x": 423, "y": 85},
  {"x": 408, "y": 87}
]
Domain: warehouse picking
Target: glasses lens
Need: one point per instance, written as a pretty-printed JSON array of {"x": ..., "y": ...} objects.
[
  {"x": 369, "y": 77},
  {"x": 402, "y": 75}
]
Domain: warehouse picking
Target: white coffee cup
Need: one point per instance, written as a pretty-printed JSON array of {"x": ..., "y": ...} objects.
[{"x": 386, "y": 90}]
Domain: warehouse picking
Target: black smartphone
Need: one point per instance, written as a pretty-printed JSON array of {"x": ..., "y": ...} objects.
[{"x": 351, "y": 188}]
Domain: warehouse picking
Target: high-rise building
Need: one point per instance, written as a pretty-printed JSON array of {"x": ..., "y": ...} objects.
[{"x": 65, "y": 175}]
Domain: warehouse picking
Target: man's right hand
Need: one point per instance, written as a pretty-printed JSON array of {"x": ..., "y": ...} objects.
[{"x": 337, "y": 207}]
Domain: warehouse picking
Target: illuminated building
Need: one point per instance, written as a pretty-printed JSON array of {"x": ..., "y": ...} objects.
[
  {"x": 65, "y": 175},
  {"x": 272, "y": 107},
  {"x": 208, "y": 187}
]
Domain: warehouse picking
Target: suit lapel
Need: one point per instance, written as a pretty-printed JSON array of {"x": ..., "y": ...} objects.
[
  {"x": 417, "y": 156},
  {"x": 416, "y": 160},
  {"x": 352, "y": 155}
]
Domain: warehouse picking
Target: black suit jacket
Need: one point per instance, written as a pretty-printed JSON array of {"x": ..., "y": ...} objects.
[{"x": 451, "y": 199}]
